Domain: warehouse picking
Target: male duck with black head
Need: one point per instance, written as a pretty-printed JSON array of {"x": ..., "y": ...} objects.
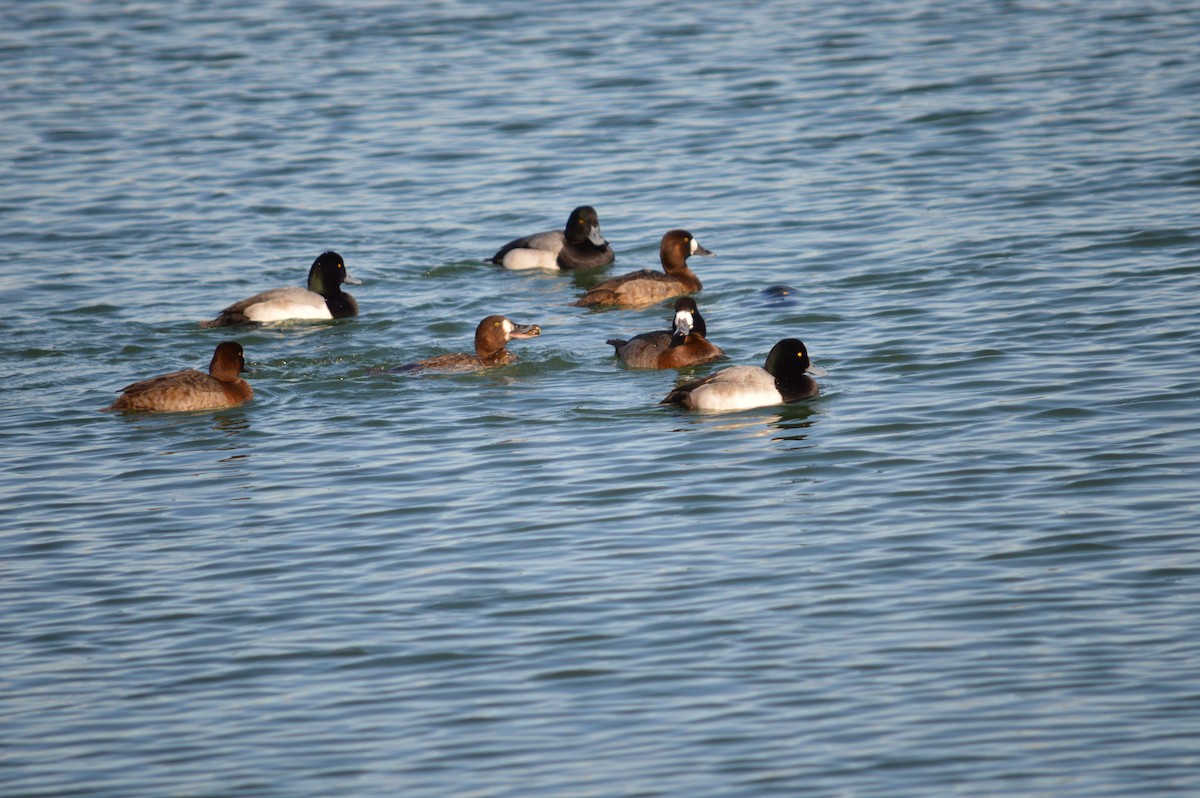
[
  {"x": 787, "y": 376},
  {"x": 647, "y": 287},
  {"x": 189, "y": 389},
  {"x": 323, "y": 299},
  {"x": 579, "y": 245},
  {"x": 684, "y": 344},
  {"x": 491, "y": 336}
]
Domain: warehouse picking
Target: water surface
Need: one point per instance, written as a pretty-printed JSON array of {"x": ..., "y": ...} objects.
[{"x": 964, "y": 569}]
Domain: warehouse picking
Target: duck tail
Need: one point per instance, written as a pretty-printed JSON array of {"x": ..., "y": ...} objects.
[{"x": 616, "y": 343}]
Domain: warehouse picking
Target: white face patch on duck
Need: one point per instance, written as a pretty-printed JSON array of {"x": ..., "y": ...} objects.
[
  {"x": 683, "y": 323},
  {"x": 696, "y": 249}
]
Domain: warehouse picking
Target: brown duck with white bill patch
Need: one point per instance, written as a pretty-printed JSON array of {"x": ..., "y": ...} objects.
[
  {"x": 491, "y": 336},
  {"x": 647, "y": 287}
]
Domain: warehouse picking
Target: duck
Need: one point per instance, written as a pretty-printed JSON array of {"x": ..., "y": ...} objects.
[
  {"x": 579, "y": 245},
  {"x": 684, "y": 344},
  {"x": 647, "y": 287},
  {"x": 779, "y": 293},
  {"x": 787, "y": 376},
  {"x": 491, "y": 335},
  {"x": 189, "y": 389},
  {"x": 323, "y": 299}
]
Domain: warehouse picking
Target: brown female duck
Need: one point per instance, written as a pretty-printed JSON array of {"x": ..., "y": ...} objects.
[
  {"x": 490, "y": 338},
  {"x": 683, "y": 345},
  {"x": 646, "y": 287},
  {"x": 189, "y": 389}
]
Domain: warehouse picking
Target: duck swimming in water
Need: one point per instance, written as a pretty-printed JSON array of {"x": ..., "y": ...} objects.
[
  {"x": 490, "y": 338},
  {"x": 787, "y": 376},
  {"x": 684, "y": 344},
  {"x": 579, "y": 245},
  {"x": 189, "y": 389},
  {"x": 323, "y": 299},
  {"x": 647, "y": 287}
]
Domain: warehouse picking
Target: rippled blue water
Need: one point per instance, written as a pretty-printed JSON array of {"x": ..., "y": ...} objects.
[{"x": 968, "y": 568}]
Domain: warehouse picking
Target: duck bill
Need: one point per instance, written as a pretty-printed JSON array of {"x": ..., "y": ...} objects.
[
  {"x": 525, "y": 331},
  {"x": 816, "y": 371},
  {"x": 595, "y": 237},
  {"x": 351, "y": 280}
]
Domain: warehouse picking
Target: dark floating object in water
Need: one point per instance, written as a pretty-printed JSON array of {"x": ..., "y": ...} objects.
[{"x": 781, "y": 292}]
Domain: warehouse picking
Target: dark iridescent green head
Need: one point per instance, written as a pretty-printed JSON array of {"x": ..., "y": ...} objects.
[
  {"x": 584, "y": 225},
  {"x": 788, "y": 360},
  {"x": 327, "y": 274}
]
